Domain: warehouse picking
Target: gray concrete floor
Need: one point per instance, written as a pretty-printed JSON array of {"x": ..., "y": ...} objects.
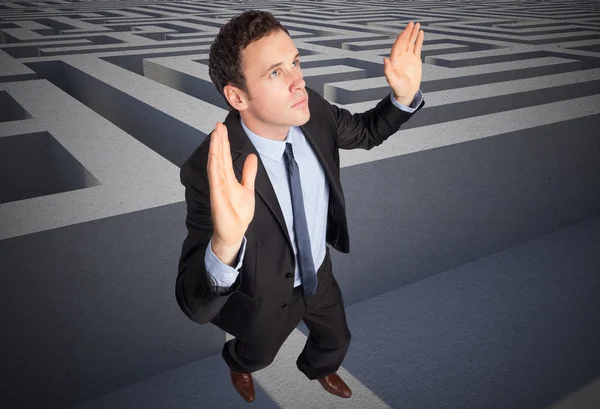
[{"x": 511, "y": 330}]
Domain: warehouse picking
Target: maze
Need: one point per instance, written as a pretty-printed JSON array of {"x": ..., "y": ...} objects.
[{"x": 103, "y": 100}]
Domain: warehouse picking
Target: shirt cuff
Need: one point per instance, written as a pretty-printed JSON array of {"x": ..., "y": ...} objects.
[
  {"x": 223, "y": 275},
  {"x": 413, "y": 105}
]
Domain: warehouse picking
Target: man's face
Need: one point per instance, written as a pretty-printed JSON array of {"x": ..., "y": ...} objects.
[{"x": 275, "y": 85}]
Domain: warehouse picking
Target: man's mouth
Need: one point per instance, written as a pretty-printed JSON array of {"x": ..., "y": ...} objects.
[{"x": 300, "y": 102}]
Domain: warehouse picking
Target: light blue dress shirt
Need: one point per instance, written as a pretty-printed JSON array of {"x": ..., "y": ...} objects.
[{"x": 315, "y": 192}]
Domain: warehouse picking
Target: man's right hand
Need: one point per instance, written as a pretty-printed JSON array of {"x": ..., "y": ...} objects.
[{"x": 232, "y": 203}]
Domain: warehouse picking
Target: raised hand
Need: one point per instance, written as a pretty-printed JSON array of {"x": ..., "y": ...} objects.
[
  {"x": 403, "y": 70},
  {"x": 232, "y": 203}
]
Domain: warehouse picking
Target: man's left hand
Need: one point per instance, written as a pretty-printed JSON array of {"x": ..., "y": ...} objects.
[{"x": 404, "y": 68}]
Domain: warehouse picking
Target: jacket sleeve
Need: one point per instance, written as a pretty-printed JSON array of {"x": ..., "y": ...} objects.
[
  {"x": 194, "y": 291},
  {"x": 370, "y": 128}
]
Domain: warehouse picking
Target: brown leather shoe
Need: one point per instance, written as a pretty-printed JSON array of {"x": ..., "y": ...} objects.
[
  {"x": 242, "y": 382},
  {"x": 335, "y": 385}
]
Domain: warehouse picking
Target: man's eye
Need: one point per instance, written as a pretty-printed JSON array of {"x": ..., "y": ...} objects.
[
  {"x": 297, "y": 62},
  {"x": 274, "y": 72}
]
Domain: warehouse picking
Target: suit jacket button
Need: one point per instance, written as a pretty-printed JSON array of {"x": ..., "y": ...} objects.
[
  {"x": 289, "y": 276},
  {"x": 285, "y": 307}
]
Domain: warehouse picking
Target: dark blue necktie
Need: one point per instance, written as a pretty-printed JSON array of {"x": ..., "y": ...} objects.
[{"x": 305, "y": 260}]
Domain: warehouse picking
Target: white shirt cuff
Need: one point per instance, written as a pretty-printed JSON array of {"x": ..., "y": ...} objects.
[
  {"x": 413, "y": 105},
  {"x": 222, "y": 274}
]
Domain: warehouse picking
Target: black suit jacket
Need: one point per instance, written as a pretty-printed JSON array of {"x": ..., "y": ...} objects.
[{"x": 255, "y": 302}]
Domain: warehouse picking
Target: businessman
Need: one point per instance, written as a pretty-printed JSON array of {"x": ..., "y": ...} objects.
[{"x": 264, "y": 199}]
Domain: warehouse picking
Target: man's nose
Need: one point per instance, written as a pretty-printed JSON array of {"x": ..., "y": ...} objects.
[{"x": 298, "y": 81}]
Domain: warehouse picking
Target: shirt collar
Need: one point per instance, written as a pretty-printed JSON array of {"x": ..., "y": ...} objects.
[{"x": 270, "y": 148}]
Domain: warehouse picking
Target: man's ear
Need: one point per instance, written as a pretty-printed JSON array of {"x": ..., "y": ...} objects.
[{"x": 237, "y": 98}]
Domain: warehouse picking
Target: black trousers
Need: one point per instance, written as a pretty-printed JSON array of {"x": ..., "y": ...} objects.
[{"x": 328, "y": 339}]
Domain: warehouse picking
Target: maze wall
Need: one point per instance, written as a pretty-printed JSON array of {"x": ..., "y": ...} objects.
[
  {"x": 117, "y": 94},
  {"x": 102, "y": 101}
]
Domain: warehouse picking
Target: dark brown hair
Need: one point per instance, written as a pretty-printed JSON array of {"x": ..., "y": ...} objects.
[{"x": 225, "y": 55}]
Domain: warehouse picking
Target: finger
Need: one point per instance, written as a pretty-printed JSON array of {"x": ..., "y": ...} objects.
[
  {"x": 214, "y": 173},
  {"x": 400, "y": 43},
  {"x": 250, "y": 170},
  {"x": 214, "y": 178},
  {"x": 419, "y": 44},
  {"x": 223, "y": 171},
  {"x": 224, "y": 176},
  {"x": 413, "y": 37},
  {"x": 226, "y": 156},
  {"x": 213, "y": 151},
  {"x": 217, "y": 194},
  {"x": 213, "y": 148},
  {"x": 220, "y": 167}
]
